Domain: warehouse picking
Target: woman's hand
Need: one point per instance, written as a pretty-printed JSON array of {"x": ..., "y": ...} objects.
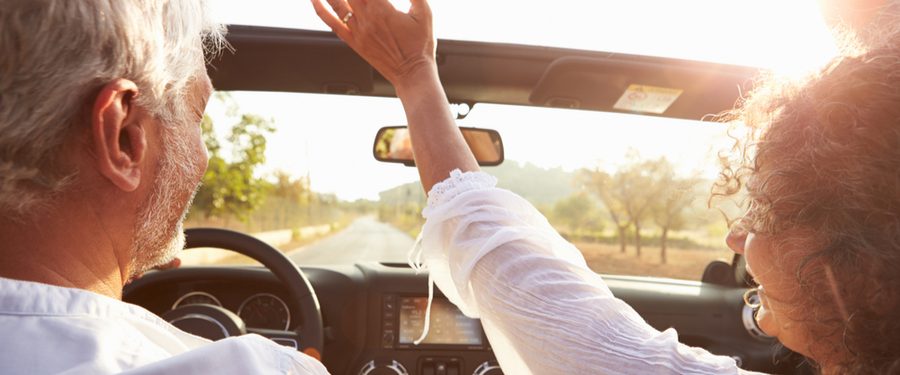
[{"x": 399, "y": 45}]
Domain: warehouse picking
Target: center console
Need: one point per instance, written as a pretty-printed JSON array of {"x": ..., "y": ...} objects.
[{"x": 455, "y": 344}]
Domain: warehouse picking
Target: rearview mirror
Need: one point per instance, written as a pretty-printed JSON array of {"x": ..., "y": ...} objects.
[{"x": 393, "y": 145}]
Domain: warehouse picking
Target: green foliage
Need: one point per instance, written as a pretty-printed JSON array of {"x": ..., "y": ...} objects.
[
  {"x": 293, "y": 190},
  {"x": 402, "y": 207},
  {"x": 628, "y": 194},
  {"x": 672, "y": 207},
  {"x": 646, "y": 190},
  {"x": 610, "y": 190},
  {"x": 230, "y": 187},
  {"x": 410, "y": 192},
  {"x": 644, "y": 200},
  {"x": 679, "y": 204},
  {"x": 289, "y": 203},
  {"x": 579, "y": 213}
]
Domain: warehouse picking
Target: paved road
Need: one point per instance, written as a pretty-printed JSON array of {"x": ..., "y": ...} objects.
[{"x": 366, "y": 239}]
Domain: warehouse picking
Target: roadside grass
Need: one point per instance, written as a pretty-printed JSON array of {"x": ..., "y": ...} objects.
[
  {"x": 686, "y": 257},
  {"x": 683, "y": 263},
  {"x": 686, "y": 263}
]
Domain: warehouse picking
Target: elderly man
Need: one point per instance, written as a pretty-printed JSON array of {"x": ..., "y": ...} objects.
[{"x": 100, "y": 154}]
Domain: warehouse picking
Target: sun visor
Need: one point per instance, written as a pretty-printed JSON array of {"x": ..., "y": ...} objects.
[
  {"x": 266, "y": 59},
  {"x": 642, "y": 85}
]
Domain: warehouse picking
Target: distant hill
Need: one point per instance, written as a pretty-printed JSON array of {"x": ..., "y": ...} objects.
[
  {"x": 411, "y": 192},
  {"x": 538, "y": 185}
]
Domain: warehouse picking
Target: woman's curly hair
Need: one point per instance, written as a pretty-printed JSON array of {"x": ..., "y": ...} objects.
[{"x": 820, "y": 161}]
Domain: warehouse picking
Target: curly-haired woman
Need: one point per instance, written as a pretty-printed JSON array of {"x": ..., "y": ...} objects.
[
  {"x": 822, "y": 236},
  {"x": 821, "y": 164}
]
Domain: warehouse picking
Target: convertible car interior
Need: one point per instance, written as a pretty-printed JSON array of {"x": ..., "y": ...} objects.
[{"x": 363, "y": 318}]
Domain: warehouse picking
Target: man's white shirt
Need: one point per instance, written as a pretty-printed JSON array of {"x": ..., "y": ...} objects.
[{"x": 50, "y": 330}]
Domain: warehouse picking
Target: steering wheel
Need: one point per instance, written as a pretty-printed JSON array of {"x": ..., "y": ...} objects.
[{"x": 214, "y": 322}]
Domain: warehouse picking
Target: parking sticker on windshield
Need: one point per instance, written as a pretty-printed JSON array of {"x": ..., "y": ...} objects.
[{"x": 647, "y": 99}]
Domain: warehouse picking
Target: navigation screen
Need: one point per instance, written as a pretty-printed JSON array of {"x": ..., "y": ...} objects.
[{"x": 448, "y": 325}]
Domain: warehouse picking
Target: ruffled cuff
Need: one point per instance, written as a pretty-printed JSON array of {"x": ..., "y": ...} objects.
[{"x": 459, "y": 182}]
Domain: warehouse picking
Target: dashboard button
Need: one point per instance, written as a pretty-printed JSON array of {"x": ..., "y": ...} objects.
[
  {"x": 440, "y": 366},
  {"x": 387, "y": 339},
  {"x": 389, "y": 303}
]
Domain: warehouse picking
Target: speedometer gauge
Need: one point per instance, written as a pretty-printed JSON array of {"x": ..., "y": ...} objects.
[
  {"x": 196, "y": 298},
  {"x": 265, "y": 310}
]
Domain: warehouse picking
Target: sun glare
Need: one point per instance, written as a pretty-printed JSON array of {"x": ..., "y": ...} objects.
[{"x": 789, "y": 37}]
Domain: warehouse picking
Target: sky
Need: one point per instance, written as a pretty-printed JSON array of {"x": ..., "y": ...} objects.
[{"x": 330, "y": 137}]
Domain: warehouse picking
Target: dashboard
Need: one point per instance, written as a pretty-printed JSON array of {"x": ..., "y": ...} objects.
[
  {"x": 374, "y": 313},
  {"x": 260, "y": 310}
]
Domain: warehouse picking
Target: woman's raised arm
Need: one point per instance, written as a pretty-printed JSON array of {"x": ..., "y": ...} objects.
[
  {"x": 401, "y": 46},
  {"x": 490, "y": 251}
]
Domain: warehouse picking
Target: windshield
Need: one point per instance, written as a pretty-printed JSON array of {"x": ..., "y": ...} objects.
[{"x": 297, "y": 170}]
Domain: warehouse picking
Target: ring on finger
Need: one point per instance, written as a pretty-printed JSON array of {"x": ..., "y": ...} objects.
[{"x": 347, "y": 17}]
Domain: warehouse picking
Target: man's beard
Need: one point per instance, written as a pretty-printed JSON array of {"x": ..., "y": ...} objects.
[{"x": 159, "y": 230}]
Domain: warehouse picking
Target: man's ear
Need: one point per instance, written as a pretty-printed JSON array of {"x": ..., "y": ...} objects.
[{"x": 119, "y": 139}]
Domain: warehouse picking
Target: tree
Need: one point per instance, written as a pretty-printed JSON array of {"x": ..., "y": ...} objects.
[
  {"x": 230, "y": 187},
  {"x": 629, "y": 194},
  {"x": 578, "y": 213},
  {"x": 289, "y": 195},
  {"x": 670, "y": 212},
  {"x": 289, "y": 188},
  {"x": 640, "y": 187},
  {"x": 605, "y": 187}
]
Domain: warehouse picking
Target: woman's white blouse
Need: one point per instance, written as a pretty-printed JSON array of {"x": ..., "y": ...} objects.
[{"x": 544, "y": 311}]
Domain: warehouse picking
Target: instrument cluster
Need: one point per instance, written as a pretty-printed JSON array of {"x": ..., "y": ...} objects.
[{"x": 261, "y": 310}]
